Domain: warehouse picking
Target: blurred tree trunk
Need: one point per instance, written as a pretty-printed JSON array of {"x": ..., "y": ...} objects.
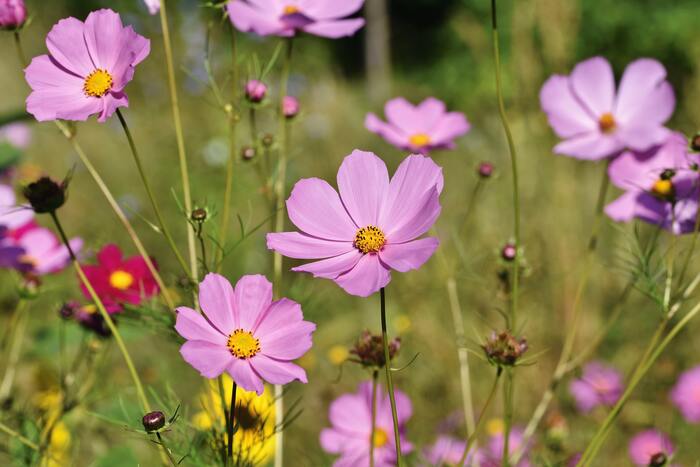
[{"x": 377, "y": 50}]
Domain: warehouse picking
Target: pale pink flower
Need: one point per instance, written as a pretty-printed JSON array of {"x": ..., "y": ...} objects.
[
  {"x": 650, "y": 446},
  {"x": 153, "y": 6},
  {"x": 686, "y": 394},
  {"x": 44, "y": 253}
]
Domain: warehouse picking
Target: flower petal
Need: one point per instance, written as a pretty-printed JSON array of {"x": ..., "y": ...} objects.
[
  {"x": 363, "y": 181},
  {"x": 331, "y": 268},
  {"x": 410, "y": 255},
  {"x": 209, "y": 359},
  {"x": 280, "y": 314},
  {"x": 644, "y": 96},
  {"x": 102, "y": 31},
  {"x": 277, "y": 372},
  {"x": 315, "y": 208},
  {"x": 431, "y": 111},
  {"x": 252, "y": 296},
  {"x": 244, "y": 375},
  {"x": 216, "y": 299},
  {"x": 387, "y": 131},
  {"x": 331, "y": 10},
  {"x": 367, "y": 277},
  {"x": 351, "y": 413},
  {"x": 301, "y": 246},
  {"x": 287, "y": 343},
  {"x": 248, "y": 19},
  {"x": 643, "y": 137},
  {"x": 193, "y": 326},
  {"x": 110, "y": 103},
  {"x": 451, "y": 126},
  {"x": 417, "y": 219},
  {"x": 335, "y": 29},
  {"x": 564, "y": 111},
  {"x": 403, "y": 115},
  {"x": 66, "y": 43},
  {"x": 593, "y": 82},
  {"x": 590, "y": 146}
]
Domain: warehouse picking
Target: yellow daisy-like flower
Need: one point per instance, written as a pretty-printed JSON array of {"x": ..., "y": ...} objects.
[{"x": 255, "y": 419}]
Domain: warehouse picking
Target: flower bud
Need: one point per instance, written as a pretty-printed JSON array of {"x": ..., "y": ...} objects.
[
  {"x": 369, "y": 349},
  {"x": 503, "y": 349},
  {"x": 290, "y": 106},
  {"x": 69, "y": 309},
  {"x": 248, "y": 153},
  {"x": 268, "y": 140},
  {"x": 153, "y": 421},
  {"x": 199, "y": 215},
  {"x": 255, "y": 91},
  {"x": 485, "y": 170},
  {"x": 46, "y": 195},
  {"x": 13, "y": 14},
  {"x": 658, "y": 460},
  {"x": 509, "y": 252},
  {"x": 695, "y": 142}
]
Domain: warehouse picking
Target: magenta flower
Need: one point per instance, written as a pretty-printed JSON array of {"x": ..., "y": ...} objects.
[
  {"x": 288, "y": 17},
  {"x": 598, "y": 385},
  {"x": 351, "y": 428},
  {"x": 244, "y": 333},
  {"x": 290, "y": 106},
  {"x": 43, "y": 251},
  {"x": 87, "y": 70},
  {"x": 13, "y": 14},
  {"x": 491, "y": 455},
  {"x": 661, "y": 186},
  {"x": 153, "y": 6},
  {"x": 595, "y": 121},
  {"x": 650, "y": 447},
  {"x": 686, "y": 395},
  {"x": 370, "y": 229},
  {"x": 419, "y": 128},
  {"x": 446, "y": 451},
  {"x": 13, "y": 216}
]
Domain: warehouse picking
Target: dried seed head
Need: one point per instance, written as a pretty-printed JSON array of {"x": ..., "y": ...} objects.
[
  {"x": 369, "y": 349},
  {"x": 503, "y": 349},
  {"x": 46, "y": 195}
]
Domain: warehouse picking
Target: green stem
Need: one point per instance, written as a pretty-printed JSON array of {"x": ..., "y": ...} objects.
[
  {"x": 20, "y": 50},
  {"x": 16, "y": 338},
  {"x": 507, "y": 417},
  {"x": 13, "y": 434},
  {"x": 202, "y": 247},
  {"x": 149, "y": 191},
  {"x": 165, "y": 448},
  {"x": 375, "y": 375},
  {"x": 480, "y": 421},
  {"x": 389, "y": 381},
  {"x": 230, "y": 424}
]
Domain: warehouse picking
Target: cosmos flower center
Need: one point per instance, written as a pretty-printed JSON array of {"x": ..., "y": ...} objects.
[
  {"x": 606, "y": 123},
  {"x": 663, "y": 188},
  {"x": 243, "y": 344},
  {"x": 98, "y": 83},
  {"x": 290, "y": 10},
  {"x": 369, "y": 239},
  {"x": 28, "y": 260},
  {"x": 380, "y": 438},
  {"x": 121, "y": 280},
  {"x": 419, "y": 140}
]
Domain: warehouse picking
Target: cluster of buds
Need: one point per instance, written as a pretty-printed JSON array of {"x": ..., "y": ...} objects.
[
  {"x": 86, "y": 316},
  {"x": 485, "y": 170},
  {"x": 46, "y": 195},
  {"x": 369, "y": 349},
  {"x": 13, "y": 14},
  {"x": 503, "y": 349},
  {"x": 255, "y": 91}
]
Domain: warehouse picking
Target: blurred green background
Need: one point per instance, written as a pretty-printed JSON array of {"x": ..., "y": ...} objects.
[{"x": 438, "y": 48}]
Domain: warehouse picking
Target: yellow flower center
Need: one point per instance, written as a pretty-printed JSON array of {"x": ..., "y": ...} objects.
[
  {"x": 369, "y": 239},
  {"x": 98, "y": 83},
  {"x": 89, "y": 309},
  {"x": 380, "y": 438},
  {"x": 419, "y": 140},
  {"x": 243, "y": 344},
  {"x": 607, "y": 123},
  {"x": 663, "y": 188},
  {"x": 121, "y": 280},
  {"x": 290, "y": 10}
]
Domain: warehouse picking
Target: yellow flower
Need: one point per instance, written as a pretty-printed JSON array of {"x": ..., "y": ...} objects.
[{"x": 58, "y": 453}]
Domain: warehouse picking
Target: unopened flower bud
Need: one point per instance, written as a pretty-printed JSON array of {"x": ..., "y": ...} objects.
[
  {"x": 46, "y": 195},
  {"x": 369, "y": 349},
  {"x": 503, "y": 349},
  {"x": 268, "y": 140},
  {"x": 509, "y": 252},
  {"x": 695, "y": 142},
  {"x": 13, "y": 14},
  {"x": 658, "y": 460},
  {"x": 485, "y": 170},
  {"x": 153, "y": 421},
  {"x": 69, "y": 309},
  {"x": 199, "y": 215},
  {"x": 290, "y": 106},
  {"x": 248, "y": 153},
  {"x": 255, "y": 91}
]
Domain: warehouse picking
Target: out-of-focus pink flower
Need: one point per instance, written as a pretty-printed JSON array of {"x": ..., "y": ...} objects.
[
  {"x": 118, "y": 281},
  {"x": 287, "y": 17},
  {"x": 13, "y": 14},
  {"x": 244, "y": 333},
  {"x": 661, "y": 186},
  {"x": 371, "y": 228},
  {"x": 255, "y": 91},
  {"x": 598, "y": 385},
  {"x": 13, "y": 216},
  {"x": 650, "y": 447},
  {"x": 290, "y": 106},
  {"x": 17, "y": 134},
  {"x": 153, "y": 6},
  {"x": 351, "y": 428},
  {"x": 686, "y": 395},
  {"x": 595, "y": 121},
  {"x": 446, "y": 451},
  {"x": 419, "y": 128},
  {"x": 10, "y": 254},
  {"x": 492, "y": 454},
  {"x": 43, "y": 251},
  {"x": 87, "y": 70}
]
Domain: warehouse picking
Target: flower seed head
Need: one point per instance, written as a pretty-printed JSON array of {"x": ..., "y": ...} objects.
[
  {"x": 369, "y": 349},
  {"x": 46, "y": 195},
  {"x": 503, "y": 349},
  {"x": 658, "y": 460},
  {"x": 153, "y": 421},
  {"x": 695, "y": 142},
  {"x": 485, "y": 170}
]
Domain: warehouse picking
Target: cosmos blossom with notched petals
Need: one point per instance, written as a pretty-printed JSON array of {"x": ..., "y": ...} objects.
[
  {"x": 44, "y": 253},
  {"x": 595, "y": 121},
  {"x": 244, "y": 333},
  {"x": 598, "y": 385},
  {"x": 288, "y": 17},
  {"x": 419, "y": 128},
  {"x": 650, "y": 447},
  {"x": 371, "y": 228},
  {"x": 88, "y": 66},
  {"x": 686, "y": 395}
]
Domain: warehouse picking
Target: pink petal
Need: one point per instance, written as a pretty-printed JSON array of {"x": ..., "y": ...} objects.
[
  {"x": 282, "y": 313},
  {"x": 411, "y": 255},
  {"x": 248, "y": 19},
  {"x": 193, "y": 326},
  {"x": 590, "y": 146},
  {"x": 59, "y": 257},
  {"x": 216, "y": 299},
  {"x": 387, "y": 131},
  {"x": 103, "y": 30},
  {"x": 315, "y": 208},
  {"x": 332, "y": 267},
  {"x": 451, "y": 126},
  {"x": 332, "y": 441},
  {"x": 431, "y": 111},
  {"x": 564, "y": 111},
  {"x": 593, "y": 83},
  {"x": 277, "y": 372},
  {"x": 624, "y": 208},
  {"x": 46, "y": 105},
  {"x": 335, "y": 29},
  {"x": 244, "y": 375},
  {"x": 133, "y": 49},
  {"x": 363, "y": 181},
  {"x": 301, "y": 246},
  {"x": 251, "y": 297},
  {"x": 110, "y": 103},
  {"x": 66, "y": 43},
  {"x": 110, "y": 256},
  {"x": 287, "y": 343},
  {"x": 367, "y": 277},
  {"x": 331, "y": 10},
  {"x": 351, "y": 413},
  {"x": 11, "y": 215},
  {"x": 418, "y": 218},
  {"x": 644, "y": 96},
  {"x": 209, "y": 359},
  {"x": 641, "y": 138},
  {"x": 403, "y": 115}
]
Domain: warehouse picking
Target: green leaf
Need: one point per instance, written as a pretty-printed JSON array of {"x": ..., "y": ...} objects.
[{"x": 9, "y": 155}]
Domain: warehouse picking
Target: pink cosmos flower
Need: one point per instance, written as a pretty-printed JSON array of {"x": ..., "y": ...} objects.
[
  {"x": 287, "y": 17},
  {"x": 371, "y": 228},
  {"x": 491, "y": 455},
  {"x": 13, "y": 216},
  {"x": 13, "y": 14},
  {"x": 17, "y": 134},
  {"x": 118, "y": 281},
  {"x": 597, "y": 122},
  {"x": 351, "y": 428},
  {"x": 44, "y": 253},
  {"x": 419, "y": 128},
  {"x": 10, "y": 254},
  {"x": 87, "y": 70},
  {"x": 244, "y": 333},
  {"x": 599, "y": 385},
  {"x": 153, "y": 6},
  {"x": 661, "y": 186},
  {"x": 648, "y": 446},
  {"x": 686, "y": 395},
  {"x": 446, "y": 451}
]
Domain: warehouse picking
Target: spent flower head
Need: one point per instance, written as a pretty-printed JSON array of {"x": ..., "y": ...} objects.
[
  {"x": 369, "y": 349},
  {"x": 46, "y": 195},
  {"x": 504, "y": 349}
]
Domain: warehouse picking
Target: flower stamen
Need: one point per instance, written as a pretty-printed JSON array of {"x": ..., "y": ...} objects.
[
  {"x": 663, "y": 189},
  {"x": 369, "y": 239},
  {"x": 121, "y": 280},
  {"x": 243, "y": 344},
  {"x": 98, "y": 83},
  {"x": 607, "y": 123},
  {"x": 290, "y": 10},
  {"x": 380, "y": 438},
  {"x": 419, "y": 140}
]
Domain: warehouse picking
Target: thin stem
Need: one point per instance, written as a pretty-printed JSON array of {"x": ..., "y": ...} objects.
[
  {"x": 507, "y": 417},
  {"x": 375, "y": 376},
  {"x": 202, "y": 247},
  {"x": 389, "y": 381},
  {"x": 13, "y": 434},
  {"x": 159, "y": 216},
  {"x": 231, "y": 420},
  {"x": 145, "y": 406},
  {"x": 20, "y": 50},
  {"x": 479, "y": 422},
  {"x": 470, "y": 206},
  {"x": 179, "y": 135},
  {"x": 165, "y": 448},
  {"x": 15, "y": 349}
]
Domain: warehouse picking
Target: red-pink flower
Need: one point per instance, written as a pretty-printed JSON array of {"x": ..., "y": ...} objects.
[
  {"x": 371, "y": 228},
  {"x": 244, "y": 333},
  {"x": 118, "y": 281},
  {"x": 87, "y": 70}
]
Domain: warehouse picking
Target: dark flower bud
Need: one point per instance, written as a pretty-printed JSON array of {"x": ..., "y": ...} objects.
[
  {"x": 248, "y": 153},
  {"x": 153, "y": 421},
  {"x": 255, "y": 91},
  {"x": 503, "y": 349},
  {"x": 369, "y": 349},
  {"x": 485, "y": 170},
  {"x": 268, "y": 140},
  {"x": 46, "y": 195},
  {"x": 695, "y": 142},
  {"x": 199, "y": 215},
  {"x": 657, "y": 460},
  {"x": 69, "y": 309},
  {"x": 509, "y": 252}
]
